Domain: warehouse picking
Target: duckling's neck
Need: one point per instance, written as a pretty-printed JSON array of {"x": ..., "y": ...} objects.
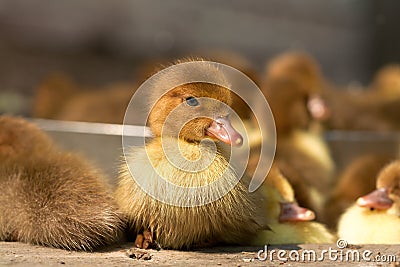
[{"x": 188, "y": 163}]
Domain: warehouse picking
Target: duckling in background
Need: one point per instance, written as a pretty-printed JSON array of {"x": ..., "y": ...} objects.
[
  {"x": 383, "y": 96},
  {"x": 350, "y": 111},
  {"x": 243, "y": 64},
  {"x": 52, "y": 94},
  {"x": 50, "y": 197},
  {"x": 107, "y": 105},
  {"x": 289, "y": 223},
  {"x": 387, "y": 82},
  {"x": 375, "y": 218},
  {"x": 356, "y": 180},
  {"x": 233, "y": 218},
  {"x": 292, "y": 87},
  {"x": 58, "y": 97},
  {"x": 374, "y": 108}
]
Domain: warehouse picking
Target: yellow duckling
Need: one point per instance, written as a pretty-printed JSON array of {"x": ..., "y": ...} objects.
[
  {"x": 357, "y": 179},
  {"x": 293, "y": 86},
  {"x": 288, "y": 222},
  {"x": 231, "y": 218},
  {"x": 375, "y": 218}
]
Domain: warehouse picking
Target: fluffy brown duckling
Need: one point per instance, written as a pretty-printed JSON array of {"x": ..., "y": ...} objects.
[
  {"x": 232, "y": 218},
  {"x": 288, "y": 222},
  {"x": 375, "y": 218},
  {"x": 292, "y": 86},
  {"x": 51, "y": 197},
  {"x": 356, "y": 180},
  {"x": 22, "y": 141}
]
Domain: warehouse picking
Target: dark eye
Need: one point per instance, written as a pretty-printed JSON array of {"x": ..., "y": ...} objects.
[{"x": 192, "y": 101}]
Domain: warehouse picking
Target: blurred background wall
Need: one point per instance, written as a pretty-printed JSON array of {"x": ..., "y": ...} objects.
[{"x": 101, "y": 41}]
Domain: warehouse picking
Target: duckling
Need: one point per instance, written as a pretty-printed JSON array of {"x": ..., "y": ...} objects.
[
  {"x": 107, "y": 105},
  {"x": 375, "y": 218},
  {"x": 387, "y": 82},
  {"x": 289, "y": 223},
  {"x": 351, "y": 110},
  {"x": 357, "y": 179},
  {"x": 373, "y": 108},
  {"x": 383, "y": 96},
  {"x": 51, "y": 197},
  {"x": 52, "y": 94},
  {"x": 21, "y": 141},
  {"x": 59, "y": 97},
  {"x": 292, "y": 87},
  {"x": 230, "y": 219}
]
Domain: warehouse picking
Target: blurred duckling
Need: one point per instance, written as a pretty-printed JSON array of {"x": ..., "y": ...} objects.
[
  {"x": 231, "y": 219},
  {"x": 106, "y": 105},
  {"x": 288, "y": 222},
  {"x": 383, "y": 96},
  {"x": 375, "y": 218},
  {"x": 375, "y": 108},
  {"x": 243, "y": 64},
  {"x": 59, "y": 97},
  {"x": 356, "y": 180},
  {"x": 52, "y": 94},
  {"x": 387, "y": 82},
  {"x": 292, "y": 86},
  {"x": 351, "y": 111},
  {"x": 50, "y": 197}
]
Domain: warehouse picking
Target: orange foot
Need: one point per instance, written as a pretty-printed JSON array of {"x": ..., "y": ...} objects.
[{"x": 145, "y": 240}]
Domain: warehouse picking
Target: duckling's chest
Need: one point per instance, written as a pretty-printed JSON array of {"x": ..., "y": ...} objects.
[{"x": 180, "y": 173}]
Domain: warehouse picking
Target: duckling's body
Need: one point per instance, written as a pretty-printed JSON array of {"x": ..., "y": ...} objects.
[
  {"x": 375, "y": 218},
  {"x": 293, "y": 86},
  {"x": 229, "y": 219},
  {"x": 295, "y": 233},
  {"x": 361, "y": 225},
  {"x": 182, "y": 219},
  {"x": 50, "y": 197},
  {"x": 288, "y": 223},
  {"x": 308, "y": 153}
]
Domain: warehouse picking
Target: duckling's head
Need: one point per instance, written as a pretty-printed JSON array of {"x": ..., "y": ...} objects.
[
  {"x": 297, "y": 66},
  {"x": 387, "y": 81},
  {"x": 293, "y": 85},
  {"x": 196, "y": 111},
  {"x": 387, "y": 194},
  {"x": 21, "y": 140}
]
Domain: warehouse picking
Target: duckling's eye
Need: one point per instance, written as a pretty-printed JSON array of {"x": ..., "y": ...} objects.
[{"x": 192, "y": 101}]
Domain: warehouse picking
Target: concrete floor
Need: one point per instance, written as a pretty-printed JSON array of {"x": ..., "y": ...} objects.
[{"x": 19, "y": 254}]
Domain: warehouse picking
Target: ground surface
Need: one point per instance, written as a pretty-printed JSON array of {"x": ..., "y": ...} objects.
[{"x": 18, "y": 254}]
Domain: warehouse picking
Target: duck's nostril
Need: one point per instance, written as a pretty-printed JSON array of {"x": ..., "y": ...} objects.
[{"x": 239, "y": 141}]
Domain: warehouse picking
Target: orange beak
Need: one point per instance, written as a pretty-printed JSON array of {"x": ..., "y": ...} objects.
[
  {"x": 378, "y": 199},
  {"x": 223, "y": 130},
  {"x": 291, "y": 212}
]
